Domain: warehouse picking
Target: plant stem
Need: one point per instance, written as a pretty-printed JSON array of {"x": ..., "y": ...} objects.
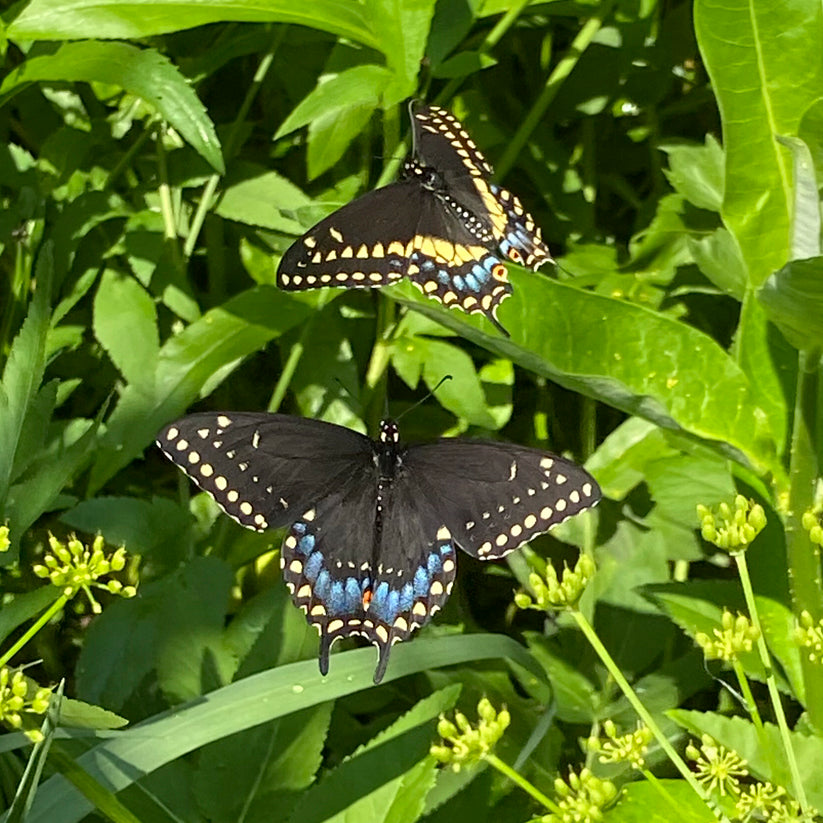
[
  {"x": 774, "y": 694},
  {"x": 643, "y": 713},
  {"x": 289, "y": 367},
  {"x": 34, "y": 628},
  {"x": 561, "y": 71},
  {"x": 207, "y": 198},
  {"x": 504, "y": 768},
  {"x": 802, "y": 554}
]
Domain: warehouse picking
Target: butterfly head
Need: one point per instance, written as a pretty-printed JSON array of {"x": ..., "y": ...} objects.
[{"x": 429, "y": 178}]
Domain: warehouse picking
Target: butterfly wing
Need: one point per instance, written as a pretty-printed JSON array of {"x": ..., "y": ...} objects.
[
  {"x": 493, "y": 497},
  {"x": 264, "y": 470},
  {"x": 401, "y": 230},
  {"x": 357, "y": 570},
  {"x": 441, "y": 141}
]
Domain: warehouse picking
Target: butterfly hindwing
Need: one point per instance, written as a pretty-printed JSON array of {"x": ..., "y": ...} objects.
[
  {"x": 493, "y": 497},
  {"x": 264, "y": 470},
  {"x": 402, "y": 230},
  {"x": 353, "y": 577}
]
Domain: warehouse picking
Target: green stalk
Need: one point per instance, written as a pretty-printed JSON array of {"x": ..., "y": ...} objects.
[
  {"x": 774, "y": 694},
  {"x": 504, "y": 768},
  {"x": 207, "y": 198},
  {"x": 802, "y": 554},
  {"x": 34, "y": 628},
  {"x": 643, "y": 713},
  {"x": 561, "y": 71},
  {"x": 289, "y": 367}
]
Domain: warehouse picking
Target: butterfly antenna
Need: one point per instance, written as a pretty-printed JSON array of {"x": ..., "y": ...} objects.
[{"x": 422, "y": 400}]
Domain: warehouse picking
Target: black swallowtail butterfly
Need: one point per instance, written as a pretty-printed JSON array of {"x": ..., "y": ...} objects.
[
  {"x": 444, "y": 225},
  {"x": 373, "y": 525}
]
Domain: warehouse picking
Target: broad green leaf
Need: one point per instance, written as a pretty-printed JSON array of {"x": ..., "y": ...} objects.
[
  {"x": 23, "y": 372},
  {"x": 793, "y": 299},
  {"x": 119, "y": 761},
  {"x": 125, "y": 325},
  {"x": 402, "y": 29},
  {"x": 264, "y": 198},
  {"x": 696, "y": 172},
  {"x": 765, "y": 762},
  {"x": 627, "y": 356},
  {"x": 221, "y": 338},
  {"x": 142, "y": 72},
  {"x": 25, "y": 606},
  {"x": 357, "y": 86},
  {"x": 779, "y": 625},
  {"x": 139, "y": 525},
  {"x": 663, "y": 801},
  {"x": 763, "y": 61},
  {"x": 137, "y": 19},
  {"x": 375, "y": 772},
  {"x": 331, "y": 134},
  {"x": 719, "y": 258},
  {"x": 260, "y": 774},
  {"x": 806, "y": 206}
]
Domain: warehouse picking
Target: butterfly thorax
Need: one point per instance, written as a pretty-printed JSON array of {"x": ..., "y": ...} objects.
[{"x": 387, "y": 452}]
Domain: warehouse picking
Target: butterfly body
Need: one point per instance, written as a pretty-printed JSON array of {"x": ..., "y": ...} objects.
[
  {"x": 443, "y": 225},
  {"x": 373, "y": 526}
]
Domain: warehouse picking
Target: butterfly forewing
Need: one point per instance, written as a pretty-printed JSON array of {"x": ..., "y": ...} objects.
[
  {"x": 493, "y": 497},
  {"x": 442, "y": 142},
  {"x": 264, "y": 470}
]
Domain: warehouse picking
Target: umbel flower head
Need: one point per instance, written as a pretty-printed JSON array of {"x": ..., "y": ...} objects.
[
  {"x": 718, "y": 768},
  {"x": 464, "y": 744},
  {"x": 551, "y": 593},
  {"x": 735, "y": 635},
  {"x": 581, "y": 798},
  {"x": 16, "y": 700},
  {"x": 626, "y": 748},
  {"x": 74, "y": 567},
  {"x": 732, "y": 529}
]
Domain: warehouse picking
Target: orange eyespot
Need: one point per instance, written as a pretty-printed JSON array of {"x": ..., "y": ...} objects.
[
  {"x": 515, "y": 255},
  {"x": 499, "y": 273},
  {"x": 367, "y": 597}
]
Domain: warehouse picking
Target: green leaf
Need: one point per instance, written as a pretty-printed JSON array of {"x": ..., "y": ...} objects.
[
  {"x": 369, "y": 782},
  {"x": 625, "y": 355},
  {"x": 139, "y": 525},
  {"x": 696, "y": 172},
  {"x": 119, "y": 761},
  {"x": 719, "y": 258},
  {"x": 765, "y": 762},
  {"x": 136, "y": 19},
  {"x": 332, "y": 133},
  {"x": 21, "y": 607},
  {"x": 125, "y": 324},
  {"x": 142, "y": 72},
  {"x": 464, "y": 64},
  {"x": 765, "y": 72},
  {"x": 402, "y": 29},
  {"x": 23, "y": 373},
  {"x": 215, "y": 343},
  {"x": 806, "y": 206},
  {"x": 258, "y": 197},
  {"x": 354, "y": 87},
  {"x": 793, "y": 299},
  {"x": 260, "y": 773},
  {"x": 642, "y": 801}
]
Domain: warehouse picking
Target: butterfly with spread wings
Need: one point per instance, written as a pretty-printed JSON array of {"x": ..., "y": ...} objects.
[
  {"x": 444, "y": 225},
  {"x": 373, "y": 526}
]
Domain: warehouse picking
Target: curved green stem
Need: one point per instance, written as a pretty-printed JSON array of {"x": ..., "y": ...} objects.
[
  {"x": 771, "y": 683},
  {"x": 644, "y": 714},
  {"x": 35, "y": 627},
  {"x": 555, "y": 80},
  {"x": 504, "y": 768}
]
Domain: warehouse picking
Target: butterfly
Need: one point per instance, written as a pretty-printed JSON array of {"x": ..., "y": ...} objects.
[
  {"x": 443, "y": 224},
  {"x": 373, "y": 525}
]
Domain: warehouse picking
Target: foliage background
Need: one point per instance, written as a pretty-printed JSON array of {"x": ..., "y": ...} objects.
[{"x": 157, "y": 159}]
